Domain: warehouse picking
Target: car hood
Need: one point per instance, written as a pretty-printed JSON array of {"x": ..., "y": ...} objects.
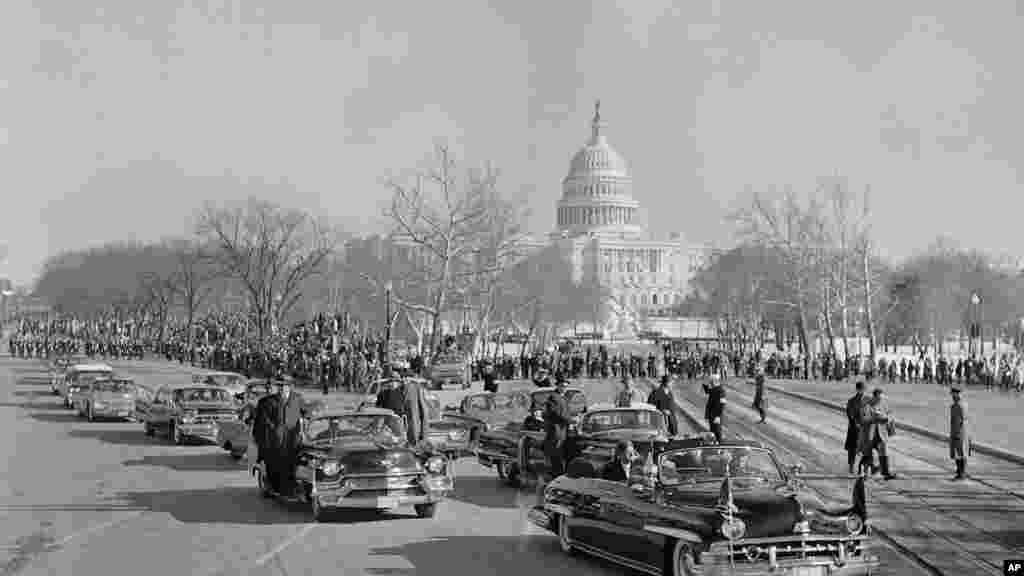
[
  {"x": 366, "y": 456},
  {"x": 767, "y": 509}
]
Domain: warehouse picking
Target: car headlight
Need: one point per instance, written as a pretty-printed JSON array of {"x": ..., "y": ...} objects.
[
  {"x": 188, "y": 417},
  {"x": 457, "y": 435},
  {"x": 330, "y": 468},
  {"x": 436, "y": 464},
  {"x": 733, "y": 529},
  {"x": 854, "y": 524}
]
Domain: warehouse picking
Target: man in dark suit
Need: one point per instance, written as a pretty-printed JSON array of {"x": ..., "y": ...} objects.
[
  {"x": 287, "y": 435},
  {"x": 391, "y": 397},
  {"x": 854, "y": 407},
  {"x": 661, "y": 398},
  {"x": 415, "y": 410},
  {"x": 556, "y": 428},
  {"x": 490, "y": 381},
  {"x": 263, "y": 427},
  {"x": 618, "y": 468},
  {"x": 715, "y": 407}
]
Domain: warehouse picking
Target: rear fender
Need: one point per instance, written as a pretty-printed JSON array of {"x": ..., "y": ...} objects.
[{"x": 677, "y": 533}]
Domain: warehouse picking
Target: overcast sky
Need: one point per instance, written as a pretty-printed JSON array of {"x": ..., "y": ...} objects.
[{"x": 119, "y": 117}]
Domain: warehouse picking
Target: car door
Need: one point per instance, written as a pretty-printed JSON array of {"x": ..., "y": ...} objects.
[
  {"x": 623, "y": 518},
  {"x": 159, "y": 409}
]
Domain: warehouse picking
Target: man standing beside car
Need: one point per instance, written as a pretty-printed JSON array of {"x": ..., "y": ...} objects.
[
  {"x": 288, "y": 437},
  {"x": 556, "y": 428}
]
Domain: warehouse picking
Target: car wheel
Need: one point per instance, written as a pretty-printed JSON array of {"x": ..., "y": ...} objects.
[
  {"x": 176, "y": 436},
  {"x": 563, "y": 535},
  {"x": 237, "y": 455},
  {"x": 513, "y": 476},
  {"x": 425, "y": 510},
  {"x": 474, "y": 439},
  {"x": 681, "y": 561},
  {"x": 147, "y": 429},
  {"x": 499, "y": 467},
  {"x": 90, "y": 414}
]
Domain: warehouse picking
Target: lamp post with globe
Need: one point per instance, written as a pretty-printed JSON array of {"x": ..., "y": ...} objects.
[{"x": 976, "y": 323}]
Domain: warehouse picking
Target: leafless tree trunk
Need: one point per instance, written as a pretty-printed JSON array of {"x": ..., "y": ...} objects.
[{"x": 270, "y": 250}]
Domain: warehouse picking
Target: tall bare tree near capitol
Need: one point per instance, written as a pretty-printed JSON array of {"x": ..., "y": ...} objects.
[
  {"x": 271, "y": 250},
  {"x": 792, "y": 228},
  {"x": 444, "y": 224}
]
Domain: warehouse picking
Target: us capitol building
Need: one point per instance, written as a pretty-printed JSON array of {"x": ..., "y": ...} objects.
[{"x": 598, "y": 234}]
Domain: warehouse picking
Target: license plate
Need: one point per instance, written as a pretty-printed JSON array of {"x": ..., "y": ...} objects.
[
  {"x": 387, "y": 502},
  {"x": 809, "y": 571}
]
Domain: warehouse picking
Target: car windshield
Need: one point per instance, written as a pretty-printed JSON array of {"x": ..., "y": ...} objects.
[
  {"x": 576, "y": 400},
  {"x": 260, "y": 389},
  {"x": 509, "y": 401},
  {"x": 715, "y": 463},
  {"x": 92, "y": 375},
  {"x": 482, "y": 403},
  {"x": 386, "y": 427},
  {"x": 229, "y": 380},
  {"x": 201, "y": 395},
  {"x": 113, "y": 386},
  {"x": 618, "y": 419}
]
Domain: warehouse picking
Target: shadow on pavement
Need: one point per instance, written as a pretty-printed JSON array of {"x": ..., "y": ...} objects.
[
  {"x": 486, "y": 491},
  {"x": 129, "y": 437},
  {"x": 497, "y": 555},
  {"x": 57, "y": 417},
  {"x": 34, "y": 394},
  {"x": 34, "y": 381},
  {"x": 188, "y": 462},
  {"x": 224, "y": 505}
]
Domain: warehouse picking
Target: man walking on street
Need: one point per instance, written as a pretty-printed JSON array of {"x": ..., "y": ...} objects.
[
  {"x": 959, "y": 438},
  {"x": 877, "y": 425},
  {"x": 854, "y": 407},
  {"x": 759, "y": 393},
  {"x": 715, "y": 407}
]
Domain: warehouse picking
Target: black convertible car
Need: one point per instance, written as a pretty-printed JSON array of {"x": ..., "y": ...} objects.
[{"x": 700, "y": 507}]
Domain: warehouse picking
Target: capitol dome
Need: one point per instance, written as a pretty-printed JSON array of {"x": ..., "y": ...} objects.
[{"x": 597, "y": 192}]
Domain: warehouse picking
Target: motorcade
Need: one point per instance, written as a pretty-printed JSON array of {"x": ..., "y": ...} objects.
[
  {"x": 188, "y": 412},
  {"x": 449, "y": 371},
  {"x": 700, "y": 507},
  {"x": 360, "y": 459},
  {"x": 230, "y": 381},
  {"x": 515, "y": 450},
  {"x": 58, "y": 367},
  {"x": 107, "y": 398},
  {"x": 482, "y": 411},
  {"x": 75, "y": 376}
]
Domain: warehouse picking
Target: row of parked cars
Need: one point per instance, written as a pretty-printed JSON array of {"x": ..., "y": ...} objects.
[{"x": 690, "y": 505}]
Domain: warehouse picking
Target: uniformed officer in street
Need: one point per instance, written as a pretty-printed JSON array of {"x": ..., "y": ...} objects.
[{"x": 959, "y": 436}]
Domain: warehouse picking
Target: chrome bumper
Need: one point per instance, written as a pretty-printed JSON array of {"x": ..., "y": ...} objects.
[
  {"x": 794, "y": 568},
  {"x": 436, "y": 489},
  {"x": 836, "y": 561},
  {"x": 542, "y": 518},
  {"x": 114, "y": 411},
  {"x": 204, "y": 431}
]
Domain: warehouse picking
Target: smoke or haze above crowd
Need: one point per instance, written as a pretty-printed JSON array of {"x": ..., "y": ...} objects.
[{"x": 120, "y": 118}]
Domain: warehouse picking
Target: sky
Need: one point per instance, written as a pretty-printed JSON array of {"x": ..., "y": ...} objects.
[{"x": 119, "y": 118}]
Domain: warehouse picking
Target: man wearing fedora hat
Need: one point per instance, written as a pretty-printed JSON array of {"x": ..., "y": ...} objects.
[{"x": 959, "y": 439}]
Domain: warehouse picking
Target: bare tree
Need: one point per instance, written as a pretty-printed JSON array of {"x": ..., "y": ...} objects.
[
  {"x": 442, "y": 231},
  {"x": 195, "y": 268},
  {"x": 793, "y": 230},
  {"x": 270, "y": 250}
]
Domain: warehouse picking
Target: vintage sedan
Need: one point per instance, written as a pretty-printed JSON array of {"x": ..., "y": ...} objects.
[
  {"x": 105, "y": 398},
  {"x": 449, "y": 372},
  {"x": 502, "y": 448},
  {"x": 482, "y": 411},
  {"x": 190, "y": 412},
  {"x": 58, "y": 368},
  {"x": 230, "y": 381},
  {"x": 76, "y": 376},
  {"x": 709, "y": 508},
  {"x": 361, "y": 460}
]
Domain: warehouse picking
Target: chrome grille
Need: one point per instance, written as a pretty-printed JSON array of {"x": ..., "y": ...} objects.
[
  {"x": 782, "y": 551},
  {"x": 383, "y": 483}
]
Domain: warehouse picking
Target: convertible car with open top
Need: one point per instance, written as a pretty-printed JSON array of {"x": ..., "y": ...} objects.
[{"x": 700, "y": 507}]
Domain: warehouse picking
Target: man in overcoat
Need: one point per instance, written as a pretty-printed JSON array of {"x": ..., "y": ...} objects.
[
  {"x": 288, "y": 435},
  {"x": 661, "y": 398},
  {"x": 415, "y": 411},
  {"x": 715, "y": 407},
  {"x": 263, "y": 426},
  {"x": 876, "y": 427},
  {"x": 759, "y": 393},
  {"x": 854, "y": 407},
  {"x": 959, "y": 437},
  {"x": 556, "y": 428}
]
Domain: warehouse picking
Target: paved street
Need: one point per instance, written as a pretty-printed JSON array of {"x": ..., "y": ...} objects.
[
  {"x": 101, "y": 498},
  {"x": 995, "y": 414},
  {"x": 959, "y": 528}
]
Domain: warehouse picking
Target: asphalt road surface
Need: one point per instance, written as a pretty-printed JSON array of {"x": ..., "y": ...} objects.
[{"x": 101, "y": 498}]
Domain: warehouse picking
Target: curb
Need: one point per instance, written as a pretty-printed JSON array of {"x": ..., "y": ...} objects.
[{"x": 980, "y": 448}]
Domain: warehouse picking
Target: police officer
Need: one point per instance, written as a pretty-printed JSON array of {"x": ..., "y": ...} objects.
[{"x": 715, "y": 407}]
